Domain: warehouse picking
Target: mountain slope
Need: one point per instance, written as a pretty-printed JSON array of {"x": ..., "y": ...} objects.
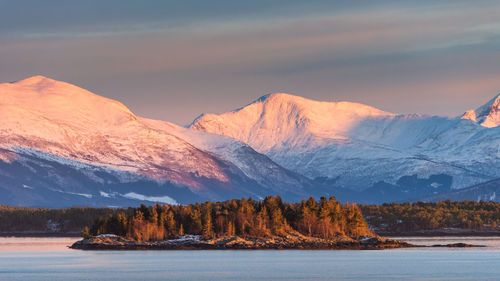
[
  {"x": 52, "y": 123},
  {"x": 357, "y": 145},
  {"x": 488, "y": 191}
]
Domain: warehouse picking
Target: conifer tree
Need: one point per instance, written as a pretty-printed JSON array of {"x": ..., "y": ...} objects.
[
  {"x": 207, "y": 232},
  {"x": 85, "y": 232},
  {"x": 181, "y": 230},
  {"x": 170, "y": 223}
]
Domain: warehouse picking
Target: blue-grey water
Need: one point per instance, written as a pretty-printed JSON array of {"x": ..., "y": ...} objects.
[{"x": 50, "y": 259}]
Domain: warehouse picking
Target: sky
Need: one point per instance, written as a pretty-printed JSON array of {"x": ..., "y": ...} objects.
[{"x": 173, "y": 60}]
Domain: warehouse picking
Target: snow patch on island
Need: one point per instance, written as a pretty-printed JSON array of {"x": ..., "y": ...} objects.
[
  {"x": 185, "y": 238},
  {"x": 107, "y": 236}
]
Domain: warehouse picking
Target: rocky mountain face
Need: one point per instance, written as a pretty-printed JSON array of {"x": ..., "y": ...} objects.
[{"x": 62, "y": 145}]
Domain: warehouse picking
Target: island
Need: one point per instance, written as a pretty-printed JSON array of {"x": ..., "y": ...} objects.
[
  {"x": 195, "y": 242},
  {"x": 237, "y": 224}
]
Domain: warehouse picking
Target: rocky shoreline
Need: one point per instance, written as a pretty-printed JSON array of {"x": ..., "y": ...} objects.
[
  {"x": 297, "y": 242},
  {"x": 112, "y": 242}
]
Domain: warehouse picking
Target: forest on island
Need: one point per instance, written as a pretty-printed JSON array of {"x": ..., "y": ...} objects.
[
  {"x": 406, "y": 217},
  {"x": 239, "y": 217}
]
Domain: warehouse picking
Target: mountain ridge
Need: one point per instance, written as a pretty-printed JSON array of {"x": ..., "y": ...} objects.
[{"x": 61, "y": 144}]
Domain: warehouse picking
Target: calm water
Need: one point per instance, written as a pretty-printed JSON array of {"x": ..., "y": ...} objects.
[{"x": 50, "y": 259}]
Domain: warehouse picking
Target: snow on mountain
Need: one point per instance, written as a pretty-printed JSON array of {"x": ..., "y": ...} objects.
[
  {"x": 67, "y": 121},
  {"x": 358, "y": 145},
  {"x": 254, "y": 165},
  {"x": 48, "y": 121},
  {"x": 487, "y": 115},
  {"x": 61, "y": 145},
  {"x": 277, "y": 121}
]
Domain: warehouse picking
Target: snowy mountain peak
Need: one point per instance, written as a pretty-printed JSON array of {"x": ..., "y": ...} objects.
[
  {"x": 487, "y": 115},
  {"x": 278, "y": 119},
  {"x": 56, "y": 100},
  {"x": 279, "y": 99},
  {"x": 34, "y": 80}
]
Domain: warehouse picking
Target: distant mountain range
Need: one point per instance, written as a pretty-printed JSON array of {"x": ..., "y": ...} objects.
[
  {"x": 61, "y": 145},
  {"x": 358, "y": 147}
]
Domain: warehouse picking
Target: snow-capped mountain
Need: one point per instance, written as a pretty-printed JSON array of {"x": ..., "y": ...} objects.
[
  {"x": 359, "y": 147},
  {"x": 63, "y": 145},
  {"x": 487, "y": 115}
]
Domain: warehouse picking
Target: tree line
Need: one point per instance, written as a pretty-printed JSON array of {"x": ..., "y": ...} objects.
[
  {"x": 239, "y": 217},
  {"x": 46, "y": 220},
  {"x": 249, "y": 217},
  {"x": 406, "y": 217}
]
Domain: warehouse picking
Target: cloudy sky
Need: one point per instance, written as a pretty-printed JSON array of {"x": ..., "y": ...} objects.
[{"x": 173, "y": 60}]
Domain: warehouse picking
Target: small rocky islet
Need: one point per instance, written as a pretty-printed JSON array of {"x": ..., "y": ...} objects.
[{"x": 299, "y": 242}]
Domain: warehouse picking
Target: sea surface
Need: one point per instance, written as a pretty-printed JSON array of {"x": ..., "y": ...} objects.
[{"x": 50, "y": 259}]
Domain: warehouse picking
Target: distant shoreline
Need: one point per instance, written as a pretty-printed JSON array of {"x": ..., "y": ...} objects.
[
  {"x": 441, "y": 232},
  {"x": 422, "y": 233},
  {"x": 40, "y": 234}
]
